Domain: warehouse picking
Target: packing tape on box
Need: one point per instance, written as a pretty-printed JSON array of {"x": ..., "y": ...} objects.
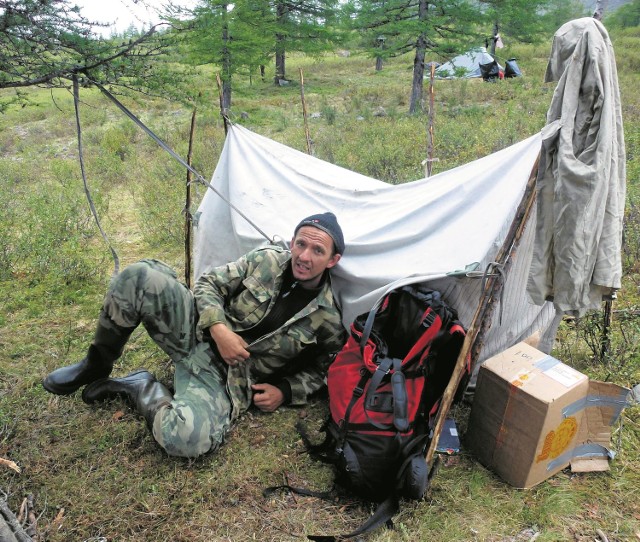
[
  {"x": 616, "y": 403},
  {"x": 583, "y": 451}
]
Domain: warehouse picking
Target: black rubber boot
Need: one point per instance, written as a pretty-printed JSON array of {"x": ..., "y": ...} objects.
[
  {"x": 106, "y": 347},
  {"x": 140, "y": 388}
]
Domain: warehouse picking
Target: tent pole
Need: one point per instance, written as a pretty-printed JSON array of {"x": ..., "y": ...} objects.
[
  {"x": 304, "y": 114},
  {"x": 187, "y": 206},
  {"x": 430, "y": 139},
  {"x": 482, "y": 317}
]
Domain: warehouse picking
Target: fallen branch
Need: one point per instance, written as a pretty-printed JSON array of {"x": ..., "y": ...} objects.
[
  {"x": 10, "y": 529},
  {"x": 10, "y": 464},
  {"x": 32, "y": 525}
]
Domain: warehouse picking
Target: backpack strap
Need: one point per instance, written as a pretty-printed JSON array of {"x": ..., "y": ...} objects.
[
  {"x": 430, "y": 333},
  {"x": 368, "y": 325},
  {"x": 383, "y": 514},
  {"x": 400, "y": 399},
  {"x": 323, "y": 451},
  {"x": 357, "y": 393},
  {"x": 384, "y": 367},
  {"x": 326, "y": 495}
]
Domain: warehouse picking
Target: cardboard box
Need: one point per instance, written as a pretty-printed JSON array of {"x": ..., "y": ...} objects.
[{"x": 532, "y": 416}]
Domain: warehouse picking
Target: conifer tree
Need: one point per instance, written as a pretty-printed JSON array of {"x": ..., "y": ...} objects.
[
  {"x": 520, "y": 20},
  {"x": 47, "y": 42},
  {"x": 232, "y": 36},
  {"x": 245, "y": 34},
  {"x": 395, "y": 27},
  {"x": 304, "y": 26}
]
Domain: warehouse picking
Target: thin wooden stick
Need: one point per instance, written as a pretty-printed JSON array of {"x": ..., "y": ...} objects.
[
  {"x": 506, "y": 252},
  {"x": 482, "y": 318},
  {"x": 430, "y": 138},
  {"x": 222, "y": 110},
  {"x": 187, "y": 207},
  {"x": 304, "y": 114},
  {"x": 32, "y": 525},
  {"x": 605, "y": 343}
]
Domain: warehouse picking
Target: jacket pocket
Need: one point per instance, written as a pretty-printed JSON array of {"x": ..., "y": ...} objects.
[{"x": 249, "y": 305}]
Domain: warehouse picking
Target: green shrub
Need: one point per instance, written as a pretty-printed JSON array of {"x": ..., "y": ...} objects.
[{"x": 48, "y": 232}]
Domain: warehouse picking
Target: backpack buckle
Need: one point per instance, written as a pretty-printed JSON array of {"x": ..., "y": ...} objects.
[
  {"x": 429, "y": 319},
  {"x": 384, "y": 365}
]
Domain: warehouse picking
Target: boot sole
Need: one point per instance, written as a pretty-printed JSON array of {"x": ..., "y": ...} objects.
[{"x": 60, "y": 390}]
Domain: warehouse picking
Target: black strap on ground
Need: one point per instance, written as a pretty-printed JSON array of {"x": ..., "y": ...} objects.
[
  {"x": 76, "y": 102},
  {"x": 166, "y": 147},
  {"x": 383, "y": 514},
  {"x": 268, "y": 491}
]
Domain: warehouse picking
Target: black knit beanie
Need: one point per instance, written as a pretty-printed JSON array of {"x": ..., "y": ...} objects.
[{"x": 328, "y": 223}]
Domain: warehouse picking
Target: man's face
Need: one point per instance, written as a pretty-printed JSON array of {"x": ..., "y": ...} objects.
[{"x": 311, "y": 254}]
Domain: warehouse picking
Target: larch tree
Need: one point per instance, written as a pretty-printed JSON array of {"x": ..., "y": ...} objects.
[
  {"x": 520, "y": 20},
  {"x": 231, "y": 36},
  {"x": 303, "y": 26},
  {"x": 394, "y": 27},
  {"x": 46, "y": 43}
]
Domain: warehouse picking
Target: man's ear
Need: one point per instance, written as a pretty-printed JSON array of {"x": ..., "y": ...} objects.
[{"x": 334, "y": 260}]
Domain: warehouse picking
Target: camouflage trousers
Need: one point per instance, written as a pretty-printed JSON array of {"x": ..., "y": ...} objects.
[{"x": 199, "y": 417}]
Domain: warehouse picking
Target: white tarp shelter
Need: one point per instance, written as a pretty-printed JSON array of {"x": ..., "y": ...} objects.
[
  {"x": 466, "y": 65},
  {"x": 445, "y": 229}
]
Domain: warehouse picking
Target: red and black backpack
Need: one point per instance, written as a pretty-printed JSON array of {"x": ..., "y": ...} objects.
[{"x": 385, "y": 387}]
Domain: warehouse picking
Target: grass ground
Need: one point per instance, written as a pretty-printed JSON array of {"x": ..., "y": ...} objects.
[{"x": 95, "y": 472}]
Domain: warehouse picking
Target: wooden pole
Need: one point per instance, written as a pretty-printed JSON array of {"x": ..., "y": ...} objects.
[
  {"x": 482, "y": 318},
  {"x": 222, "y": 109},
  {"x": 187, "y": 207},
  {"x": 304, "y": 114},
  {"x": 605, "y": 343},
  {"x": 430, "y": 139}
]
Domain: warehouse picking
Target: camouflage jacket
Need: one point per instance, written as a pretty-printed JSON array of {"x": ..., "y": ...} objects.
[{"x": 240, "y": 294}]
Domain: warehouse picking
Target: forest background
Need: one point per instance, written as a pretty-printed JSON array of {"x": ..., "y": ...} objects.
[{"x": 94, "y": 473}]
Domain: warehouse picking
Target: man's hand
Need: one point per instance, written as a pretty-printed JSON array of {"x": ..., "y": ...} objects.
[
  {"x": 232, "y": 347},
  {"x": 267, "y": 397}
]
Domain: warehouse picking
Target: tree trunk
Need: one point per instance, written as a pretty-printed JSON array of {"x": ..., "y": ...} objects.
[
  {"x": 496, "y": 29},
  {"x": 281, "y": 14},
  {"x": 280, "y": 58},
  {"x": 418, "y": 63},
  {"x": 380, "y": 45},
  {"x": 226, "y": 95},
  {"x": 226, "y": 64}
]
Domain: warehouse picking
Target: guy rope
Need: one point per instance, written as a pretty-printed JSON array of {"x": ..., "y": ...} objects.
[{"x": 198, "y": 178}]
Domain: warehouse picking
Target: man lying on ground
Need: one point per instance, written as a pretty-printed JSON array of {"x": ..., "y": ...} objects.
[{"x": 260, "y": 331}]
